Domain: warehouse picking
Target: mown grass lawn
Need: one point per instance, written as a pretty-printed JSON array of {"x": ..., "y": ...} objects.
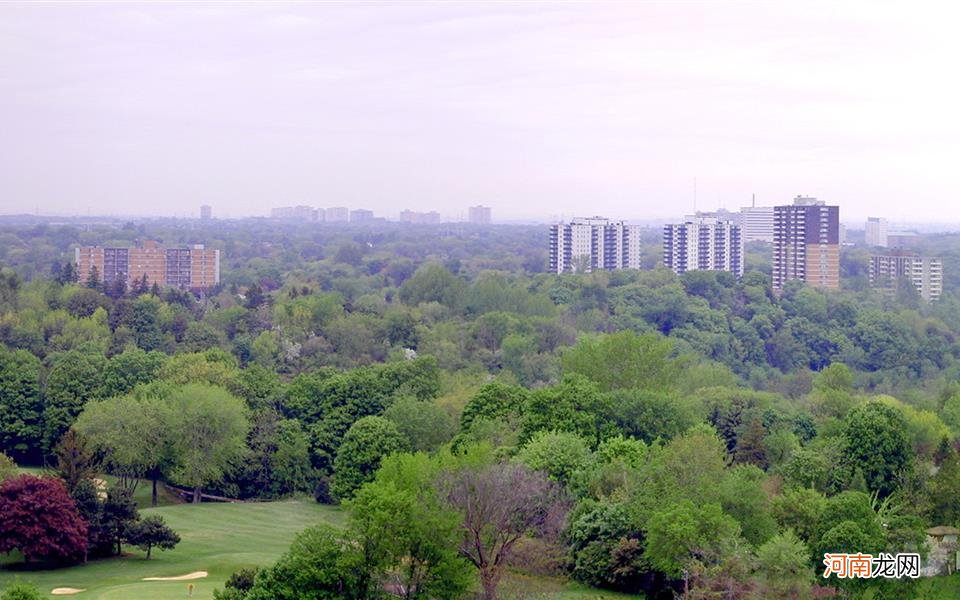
[{"x": 217, "y": 538}]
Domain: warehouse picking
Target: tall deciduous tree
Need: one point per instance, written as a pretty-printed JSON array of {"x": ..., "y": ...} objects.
[
  {"x": 876, "y": 443},
  {"x": 21, "y": 407},
  {"x": 399, "y": 523},
  {"x": 367, "y": 442},
  {"x": 75, "y": 378},
  {"x": 133, "y": 434},
  {"x": 500, "y": 504},
  {"x": 624, "y": 360},
  {"x": 208, "y": 426}
]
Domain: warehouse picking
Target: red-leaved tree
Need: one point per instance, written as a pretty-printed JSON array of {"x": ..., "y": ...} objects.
[
  {"x": 500, "y": 504},
  {"x": 38, "y": 518}
]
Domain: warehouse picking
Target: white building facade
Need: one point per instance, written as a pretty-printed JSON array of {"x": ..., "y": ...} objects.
[
  {"x": 594, "y": 243},
  {"x": 705, "y": 244}
]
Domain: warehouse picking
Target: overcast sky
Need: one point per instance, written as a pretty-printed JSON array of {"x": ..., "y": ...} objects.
[{"x": 535, "y": 109}]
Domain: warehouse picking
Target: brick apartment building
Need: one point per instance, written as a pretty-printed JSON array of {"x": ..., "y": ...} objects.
[{"x": 193, "y": 267}]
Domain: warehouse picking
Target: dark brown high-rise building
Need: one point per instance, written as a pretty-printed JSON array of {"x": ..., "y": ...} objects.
[{"x": 806, "y": 244}]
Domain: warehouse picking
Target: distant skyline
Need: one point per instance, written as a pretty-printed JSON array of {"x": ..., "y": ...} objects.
[{"x": 534, "y": 109}]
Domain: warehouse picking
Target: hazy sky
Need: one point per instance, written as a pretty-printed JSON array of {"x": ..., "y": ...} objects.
[{"x": 536, "y": 109}]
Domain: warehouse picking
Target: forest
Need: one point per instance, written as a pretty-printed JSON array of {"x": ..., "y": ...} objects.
[{"x": 477, "y": 417}]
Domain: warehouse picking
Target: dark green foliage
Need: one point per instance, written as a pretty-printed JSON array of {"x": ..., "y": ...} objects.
[
  {"x": 649, "y": 415},
  {"x": 320, "y": 565},
  {"x": 425, "y": 425},
  {"x": 21, "y": 591},
  {"x": 366, "y": 443},
  {"x": 75, "y": 460},
  {"x": 494, "y": 401},
  {"x": 151, "y": 532},
  {"x": 575, "y": 405},
  {"x": 118, "y": 515},
  {"x": 279, "y": 460},
  {"x": 876, "y": 444},
  {"x": 328, "y": 403},
  {"x": 599, "y": 536},
  {"x": 75, "y": 377},
  {"x": 129, "y": 369},
  {"x": 21, "y": 407},
  {"x": 433, "y": 283}
]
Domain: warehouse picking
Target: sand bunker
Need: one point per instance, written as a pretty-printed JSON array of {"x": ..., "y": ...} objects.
[
  {"x": 65, "y": 591},
  {"x": 187, "y": 577}
]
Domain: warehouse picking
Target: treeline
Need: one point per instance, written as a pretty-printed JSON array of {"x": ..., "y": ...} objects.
[{"x": 634, "y": 482}]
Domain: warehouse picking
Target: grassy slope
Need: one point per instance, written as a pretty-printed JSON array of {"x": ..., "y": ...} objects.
[{"x": 218, "y": 538}]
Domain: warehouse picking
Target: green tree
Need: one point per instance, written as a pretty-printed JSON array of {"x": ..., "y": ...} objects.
[
  {"x": 943, "y": 492},
  {"x": 493, "y": 401},
  {"x": 133, "y": 435},
  {"x": 279, "y": 460},
  {"x": 129, "y": 369},
  {"x": 400, "y": 523},
  {"x": 425, "y": 425},
  {"x": 366, "y": 443},
  {"x": 783, "y": 563},
  {"x": 574, "y": 405},
  {"x": 433, "y": 283},
  {"x": 145, "y": 323},
  {"x": 800, "y": 510},
  {"x": 557, "y": 454},
  {"x": 21, "y": 406},
  {"x": 75, "y": 460},
  {"x": 119, "y": 513},
  {"x": 624, "y": 360},
  {"x": 876, "y": 443},
  {"x": 75, "y": 378},
  {"x": 151, "y": 532},
  {"x": 649, "y": 415},
  {"x": 685, "y": 533},
  {"x": 322, "y": 564},
  {"x": 208, "y": 430}
]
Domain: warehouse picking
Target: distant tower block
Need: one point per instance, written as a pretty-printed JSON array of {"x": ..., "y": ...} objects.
[
  {"x": 479, "y": 215},
  {"x": 206, "y": 212}
]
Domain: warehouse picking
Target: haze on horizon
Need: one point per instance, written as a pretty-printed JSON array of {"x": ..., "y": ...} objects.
[{"x": 535, "y": 109}]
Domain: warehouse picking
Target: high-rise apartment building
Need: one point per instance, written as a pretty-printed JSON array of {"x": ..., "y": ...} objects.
[
  {"x": 419, "y": 218},
  {"x": 206, "y": 212},
  {"x": 595, "y": 243},
  {"x": 703, "y": 243},
  {"x": 876, "y": 232},
  {"x": 192, "y": 267},
  {"x": 924, "y": 272},
  {"x": 479, "y": 215},
  {"x": 361, "y": 215},
  {"x": 756, "y": 223},
  {"x": 337, "y": 214},
  {"x": 806, "y": 244},
  {"x": 294, "y": 213}
]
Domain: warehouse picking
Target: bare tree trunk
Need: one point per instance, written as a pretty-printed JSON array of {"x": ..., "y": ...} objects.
[
  {"x": 196, "y": 495},
  {"x": 153, "y": 497},
  {"x": 490, "y": 579}
]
